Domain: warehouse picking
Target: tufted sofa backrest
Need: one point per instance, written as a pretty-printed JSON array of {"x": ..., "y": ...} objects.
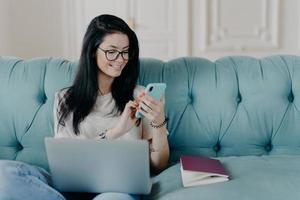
[
  {"x": 234, "y": 106},
  {"x": 26, "y": 101},
  {"x": 231, "y": 107}
]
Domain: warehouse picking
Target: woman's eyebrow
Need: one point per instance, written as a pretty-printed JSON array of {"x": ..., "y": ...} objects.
[
  {"x": 113, "y": 46},
  {"x": 126, "y": 47}
]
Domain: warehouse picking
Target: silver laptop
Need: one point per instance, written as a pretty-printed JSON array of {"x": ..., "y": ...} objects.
[{"x": 83, "y": 165}]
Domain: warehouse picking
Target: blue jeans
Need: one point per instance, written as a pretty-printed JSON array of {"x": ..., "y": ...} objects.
[{"x": 21, "y": 181}]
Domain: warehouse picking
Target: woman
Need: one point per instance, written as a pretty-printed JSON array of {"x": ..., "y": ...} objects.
[{"x": 106, "y": 85}]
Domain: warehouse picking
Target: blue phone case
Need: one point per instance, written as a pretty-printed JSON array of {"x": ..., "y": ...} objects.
[{"x": 155, "y": 90}]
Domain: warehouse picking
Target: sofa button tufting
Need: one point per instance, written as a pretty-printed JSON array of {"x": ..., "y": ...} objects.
[
  {"x": 268, "y": 147},
  {"x": 44, "y": 100},
  {"x": 19, "y": 147},
  {"x": 239, "y": 98},
  {"x": 217, "y": 147},
  {"x": 291, "y": 97},
  {"x": 190, "y": 100}
]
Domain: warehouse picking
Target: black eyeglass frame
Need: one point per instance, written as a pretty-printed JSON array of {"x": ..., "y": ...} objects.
[{"x": 117, "y": 55}]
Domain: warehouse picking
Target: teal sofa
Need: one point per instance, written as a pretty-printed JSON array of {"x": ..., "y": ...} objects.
[{"x": 241, "y": 110}]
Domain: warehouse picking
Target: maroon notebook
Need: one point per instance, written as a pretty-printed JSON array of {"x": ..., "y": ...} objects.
[
  {"x": 197, "y": 170},
  {"x": 202, "y": 164}
]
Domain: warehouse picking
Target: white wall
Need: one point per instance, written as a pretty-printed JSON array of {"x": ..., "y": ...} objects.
[
  {"x": 205, "y": 28},
  {"x": 31, "y": 28},
  {"x": 161, "y": 25},
  {"x": 5, "y": 36},
  {"x": 253, "y": 27}
]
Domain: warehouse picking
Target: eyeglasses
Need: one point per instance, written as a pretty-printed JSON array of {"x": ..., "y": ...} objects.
[{"x": 113, "y": 55}]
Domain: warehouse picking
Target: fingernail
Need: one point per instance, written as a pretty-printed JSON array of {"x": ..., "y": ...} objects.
[{"x": 142, "y": 94}]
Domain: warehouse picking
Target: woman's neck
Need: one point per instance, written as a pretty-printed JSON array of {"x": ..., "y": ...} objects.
[{"x": 105, "y": 83}]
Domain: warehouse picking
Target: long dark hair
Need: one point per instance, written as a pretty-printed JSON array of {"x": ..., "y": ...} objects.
[{"x": 81, "y": 96}]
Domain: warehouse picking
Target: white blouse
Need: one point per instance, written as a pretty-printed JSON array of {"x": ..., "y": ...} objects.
[{"x": 103, "y": 116}]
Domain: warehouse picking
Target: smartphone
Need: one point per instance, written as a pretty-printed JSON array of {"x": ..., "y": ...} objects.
[{"x": 155, "y": 90}]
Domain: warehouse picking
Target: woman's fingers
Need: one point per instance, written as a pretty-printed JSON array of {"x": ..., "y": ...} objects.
[
  {"x": 145, "y": 107},
  {"x": 146, "y": 114},
  {"x": 131, "y": 104},
  {"x": 151, "y": 108},
  {"x": 151, "y": 100},
  {"x": 148, "y": 106},
  {"x": 156, "y": 107},
  {"x": 130, "y": 108}
]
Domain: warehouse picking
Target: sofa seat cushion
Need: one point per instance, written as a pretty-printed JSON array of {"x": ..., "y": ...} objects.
[{"x": 253, "y": 177}]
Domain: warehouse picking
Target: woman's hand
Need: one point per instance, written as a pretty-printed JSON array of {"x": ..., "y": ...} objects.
[
  {"x": 152, "y": 109},
  {"x": 126, "y": 121}
]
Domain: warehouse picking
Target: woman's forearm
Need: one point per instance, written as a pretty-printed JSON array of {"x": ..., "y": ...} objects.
[{"x": 159, "y": 149}]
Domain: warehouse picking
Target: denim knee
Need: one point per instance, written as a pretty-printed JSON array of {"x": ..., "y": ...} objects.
[
  {"x": 117, "y": 196},
  {"x": 22, "y": 181}
]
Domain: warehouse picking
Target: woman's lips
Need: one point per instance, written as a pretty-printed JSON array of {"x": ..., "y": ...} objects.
[{"x": 116, "y": 66}]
